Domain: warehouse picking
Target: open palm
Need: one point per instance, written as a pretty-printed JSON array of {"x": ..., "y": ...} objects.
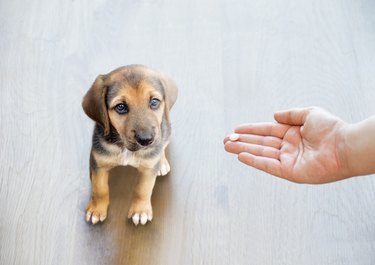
[{"x": 301, "y": 147}]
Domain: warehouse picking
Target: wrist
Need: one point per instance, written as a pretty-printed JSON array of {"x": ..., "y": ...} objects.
[
  {"x": 353, "y": 146},
  {"x": 344, "y": 146},
  {"x": 359, "y": 148}
]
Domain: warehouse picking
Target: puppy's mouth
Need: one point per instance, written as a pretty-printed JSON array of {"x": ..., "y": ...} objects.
[{"x": 133, "y": 146}]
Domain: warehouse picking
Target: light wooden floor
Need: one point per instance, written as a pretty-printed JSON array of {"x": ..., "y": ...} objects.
[{"x": 234, "y": 62}]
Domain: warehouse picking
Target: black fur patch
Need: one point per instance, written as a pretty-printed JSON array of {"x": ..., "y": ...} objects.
[
  {"x": 96, "y": 142},
  {"x": 112, "y": 138},
  {"x": 93, "y": 164}
]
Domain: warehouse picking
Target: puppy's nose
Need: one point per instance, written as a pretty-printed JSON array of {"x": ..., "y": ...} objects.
[{"x": 144, "y": 138}]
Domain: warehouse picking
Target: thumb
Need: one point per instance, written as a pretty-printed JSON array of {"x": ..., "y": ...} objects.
[{"x": 296, "y": 116}]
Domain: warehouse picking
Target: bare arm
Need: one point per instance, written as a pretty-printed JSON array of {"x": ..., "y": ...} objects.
[{"x": 359, "y": 148}]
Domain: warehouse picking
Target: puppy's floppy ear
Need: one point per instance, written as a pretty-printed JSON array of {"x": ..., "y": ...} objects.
[
  {"x": 170, "y": 90},
  {"x": 94, "y": 103}
]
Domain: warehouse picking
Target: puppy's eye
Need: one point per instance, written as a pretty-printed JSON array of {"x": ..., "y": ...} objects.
[
  {"x": 154, "y": 103},
  {"x": 122, "y": 108}
]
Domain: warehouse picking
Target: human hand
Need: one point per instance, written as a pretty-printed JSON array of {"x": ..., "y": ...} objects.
[{"x": 305, "y": 146}]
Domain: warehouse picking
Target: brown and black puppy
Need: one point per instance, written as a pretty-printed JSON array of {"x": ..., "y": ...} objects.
[{"x": 130, "y": 106}]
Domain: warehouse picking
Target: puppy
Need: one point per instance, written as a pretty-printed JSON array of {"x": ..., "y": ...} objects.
[{"x": 130, "y": 106}]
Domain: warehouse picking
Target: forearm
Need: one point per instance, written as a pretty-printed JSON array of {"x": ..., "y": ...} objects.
[{"x": 359, "y": 148}]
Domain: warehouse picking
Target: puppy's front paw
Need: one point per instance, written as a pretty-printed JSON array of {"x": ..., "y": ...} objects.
[
  {"x": 140, "y": 212},
  {"x": 96, "y": 211},
  {"x": 164, "y": 167}
]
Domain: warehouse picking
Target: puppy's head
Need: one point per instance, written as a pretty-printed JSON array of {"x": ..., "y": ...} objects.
[{"x": 135, "y": 101}]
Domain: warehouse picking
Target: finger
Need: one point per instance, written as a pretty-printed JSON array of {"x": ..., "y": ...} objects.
[
  {"x": 296, "y": 116},
  {"x": 265, "y": 129},
  {"x": 258, "y": 150},
  {"x": 266, "y": 164},
  {"x": 255, "y": 139},
  {"x": 270, "y": 141}
]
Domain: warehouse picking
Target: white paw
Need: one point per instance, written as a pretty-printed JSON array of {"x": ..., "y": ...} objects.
[
  {"x": 164, "y": 168},
  {"x": 96, "y": 212},
  {"x": 140, "y": 212},
  {"x": 141, "y": 218}
]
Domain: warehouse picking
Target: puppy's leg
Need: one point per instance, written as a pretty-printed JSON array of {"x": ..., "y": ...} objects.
[
  {"x": 141, "y": 210},
  {"x": 97, "y": 208},
  {"x": 164, "y": 165}
]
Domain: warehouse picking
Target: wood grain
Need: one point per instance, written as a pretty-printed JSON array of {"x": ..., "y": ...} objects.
[{"x": 234, "y": 62}]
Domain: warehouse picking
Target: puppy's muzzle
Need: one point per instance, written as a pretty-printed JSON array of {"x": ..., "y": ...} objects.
[{"x": 144, "y": 138}]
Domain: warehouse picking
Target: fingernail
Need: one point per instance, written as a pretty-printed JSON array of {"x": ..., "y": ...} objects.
[{"x": 234, "y": 137}]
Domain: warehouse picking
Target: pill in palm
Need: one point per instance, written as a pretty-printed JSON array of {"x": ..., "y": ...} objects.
[{"x": 234, "y": 137}]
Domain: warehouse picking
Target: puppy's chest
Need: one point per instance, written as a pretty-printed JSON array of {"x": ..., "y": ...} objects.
[{"x": 128, "y": 158}]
